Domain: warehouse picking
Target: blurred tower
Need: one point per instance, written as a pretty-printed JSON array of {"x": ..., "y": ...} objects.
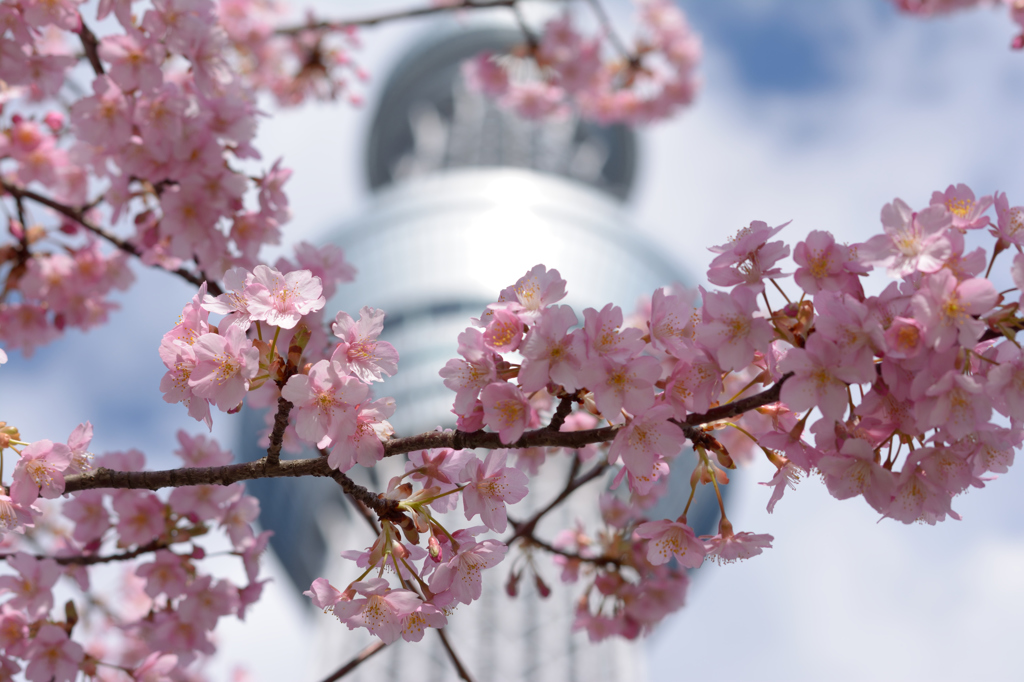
[{"x": 468, "y": 198}]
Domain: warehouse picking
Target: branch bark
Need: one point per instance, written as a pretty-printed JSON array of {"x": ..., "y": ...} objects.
[
  {"x": 79, "y": 217},
  {"x": 392, "y": 16},
  {"x": 457, "y": 440},
  {"x": 355, "y": 662}
]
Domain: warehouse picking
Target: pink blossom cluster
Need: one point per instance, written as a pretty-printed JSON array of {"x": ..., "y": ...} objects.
[
  {"x": 218, "y": 365},
  {"x": 935, "y": 7},
  {"x": 911, "y": 395},
  {"x": 312, "y": 61},
  {"x": 154, "y": 146},
  {"x": 162, "y": 621},
  {"x": 593, "y": 75},
  {"x": 446, "y": 570}
]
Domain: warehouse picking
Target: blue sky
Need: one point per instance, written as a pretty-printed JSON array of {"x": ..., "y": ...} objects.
[{"x": 818, "y": 113}]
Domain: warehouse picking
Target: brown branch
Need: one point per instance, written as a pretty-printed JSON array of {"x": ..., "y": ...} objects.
[
  {"x": 597, "y": 560},
  {"x": 78, "y": 216},
  {"x": 177, "y": 478},
  {"x": 457, "y": 440},
  {"x": 738, "y": 407},
  {"x": 284, "y": 408},
  {"x": 384, "y": 508},
  {"x": 90, "y": 559},
  {"x": 392, "y": 16},
  {"x": 561, "y": 412},
  {"x": 459, "y": 668},
  {"x": 524, "y": 529},
  {"x": 355, "y": 662},
  {"x": 91, "y": 46}
]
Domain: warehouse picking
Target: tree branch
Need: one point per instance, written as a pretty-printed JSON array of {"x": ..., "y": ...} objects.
[
  {"x": 457, "y": 440},
  {"x": 355, "y": 662},
  {"x": 392, "y": 16},
  {"x": 459, "y": 668},
  {"x": 79, "y": 217},
  {"x": 524, "y": 529},
  {"x": 597, "y": 560},
  {"x": 90, "y": 559},
  {"x": 91, "y": 46},
  {"x": 284, "y": 408}
]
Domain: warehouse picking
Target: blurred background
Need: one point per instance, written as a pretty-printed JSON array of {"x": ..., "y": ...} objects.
[{"x": 819, "y": 113}]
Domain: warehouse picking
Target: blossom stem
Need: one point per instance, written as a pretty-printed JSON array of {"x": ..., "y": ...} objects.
[
  {"x": 776, "y": 285},
  {"x": 273, "y": 343},
  {"x": 714, "y": 482},
  {"x": 689, "y": 501}
]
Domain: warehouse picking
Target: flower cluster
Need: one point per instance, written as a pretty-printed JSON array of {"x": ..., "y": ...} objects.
[
  {"x": 564, "y": 70},
  {"x": 929, "y": 8},
  {"x": 163, "y": 619},
  {"x": 156, "y": 145}
]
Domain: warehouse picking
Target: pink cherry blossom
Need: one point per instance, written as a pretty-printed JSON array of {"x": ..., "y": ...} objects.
[
  {"x": 490, "y": 485},
  {"x": 672, "y": 540},
  {"x": 325, "y": 402},
  {"x": 365, "y": 445},
  {"x": 533, "y": 292},
  {"x": 826, "y": 265},
  {"x": 647, "y": 439},
  {"x": 966, "y": 211},
  {"x": 284, "y": 298},
  {"x": 224, "y": 366},
  {"x": 506, "y": 410},
  {"x": 360, "y": 352},
  {"x": 40, "y": 472},
  {"x": 1009, "y": 227},
  {"x": 916, "y": 497},
  {"x": 166, "y": 574},
  {"x": 748, "y": 259},
  {"x": 855, "y": 471},
  {"x": 820, "y": 378},
  {"x": 947, "y": 308},
  {"x": 729, "y": 330},
  {"x": 504, "y": 331},
  {"x": 89, "y": 513},
  {"x": 551, "y": 352},
  {"x": 625, "y": 386},
  {"x": 140, "y": 516},
  {"x": 33, "y": 589},
  {"x": 603, "y": 337},
  {"x": 728, "y": 547},
  {"x": 468, "y": 377},
  {"x": 460, "y": 576},
  {"x": 53, "y": 657},
  {"x": 383, "y": 609},
  {"x": 415, "y": 624},
  {"x": 912, "y": 241}
]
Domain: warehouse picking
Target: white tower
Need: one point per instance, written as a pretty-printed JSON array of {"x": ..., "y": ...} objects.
[{"x": 468, "y": 198}]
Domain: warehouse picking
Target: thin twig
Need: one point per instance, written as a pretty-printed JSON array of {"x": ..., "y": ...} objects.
[
  {"x": 91, "y": 46},
  {"x": 524, "y": 529},
  {"x": 609, "y": 29},
  {"x": 459, "y": 668},
  {"x": 79, "y": 217},
  {"x": 597, "y": 560},
  {"x": 355, "y": 662},
  {"x": 90, "y": 559},
  {"x": 392, "y": 16}
]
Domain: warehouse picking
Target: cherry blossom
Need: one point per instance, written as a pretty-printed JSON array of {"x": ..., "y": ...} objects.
[
  {"x": 360, "y": 352},
  {"x": 490, "y": 485},
  {"x": 671, "y": 539}
]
